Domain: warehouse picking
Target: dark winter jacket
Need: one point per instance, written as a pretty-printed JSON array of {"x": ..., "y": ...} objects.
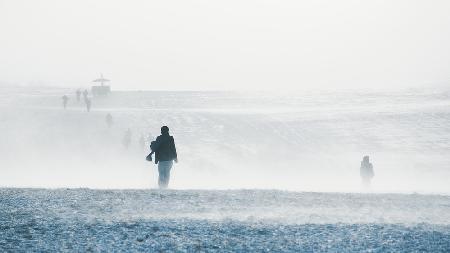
[{"x": 165, "y": 148}]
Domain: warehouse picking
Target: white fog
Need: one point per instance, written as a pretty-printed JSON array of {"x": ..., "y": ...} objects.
[{"x": 274, "y": 126}]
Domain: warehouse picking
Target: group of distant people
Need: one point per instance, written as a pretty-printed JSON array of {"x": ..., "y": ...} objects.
[
  {"x": 78, "y": 93},
  {"x": 165, "y": 152},
  {"x": 163, "y": 147},
  {"x": 127, "y": 137}
]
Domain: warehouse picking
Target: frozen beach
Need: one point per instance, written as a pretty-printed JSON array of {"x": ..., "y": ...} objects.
[{"x": 216, "y": 221}]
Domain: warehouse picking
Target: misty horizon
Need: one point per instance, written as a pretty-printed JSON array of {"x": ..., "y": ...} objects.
[{"x": 237, "y": 45}]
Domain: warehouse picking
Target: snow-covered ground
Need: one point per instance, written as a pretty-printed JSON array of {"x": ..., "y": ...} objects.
[{"x": 83, "y": 220}]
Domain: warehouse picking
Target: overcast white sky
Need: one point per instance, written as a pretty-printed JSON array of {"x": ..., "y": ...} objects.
[{"x": 232, "y": 44}]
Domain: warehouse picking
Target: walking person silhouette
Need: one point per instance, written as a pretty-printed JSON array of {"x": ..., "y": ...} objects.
[
  {"x": 366, "y": 171},
  {"x": 65, "y": 98},
  {"x": 109, "y": 120},
  {"x": 126, "y": 141},
  {"x": 88, "y": 104},
  {"x": 78, "y": 92},
  {"x": 165, "y": 153}
]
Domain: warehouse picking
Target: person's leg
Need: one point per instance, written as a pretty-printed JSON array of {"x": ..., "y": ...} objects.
[
  {"x": 164, "y": 173},
  {"x": 168, "y": 168},
  {"x": 161, "y": 175}
]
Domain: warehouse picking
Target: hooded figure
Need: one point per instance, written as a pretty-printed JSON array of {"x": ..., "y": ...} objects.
[
  {"x": 366, "y": 171},
  {"x": 165, "y": 154}
]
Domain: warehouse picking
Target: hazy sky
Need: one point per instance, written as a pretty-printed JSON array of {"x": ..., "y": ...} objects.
[{"x": 233, "y": 44}]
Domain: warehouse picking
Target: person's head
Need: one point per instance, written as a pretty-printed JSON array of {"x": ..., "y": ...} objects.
[
  {"x": 164, "y": 130},
  {"x": 366, "y": 158}
]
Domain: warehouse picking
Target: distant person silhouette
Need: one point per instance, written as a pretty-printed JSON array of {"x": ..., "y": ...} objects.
[
  {"x": 366, "y": 171},
  {"x": 109, "y": 120},
  {"x": 165, "y": 154},
  {"x": 85, "y": 95},
  {"x": 142, "y": 142},
  {"x": 126, "y": 141},
  {"x": 88, "y": 104},
  {"x": 78, "y": 92},
  {"x": 149, "y": 139},
  {"x": 65, "y": 99}
]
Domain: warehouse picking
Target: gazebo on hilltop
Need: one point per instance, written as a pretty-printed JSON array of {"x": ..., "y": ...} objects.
[{"x": 101, "y": 90}]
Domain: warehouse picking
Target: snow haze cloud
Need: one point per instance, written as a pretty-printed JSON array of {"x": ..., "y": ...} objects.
[{"x": 215, "y": 45}]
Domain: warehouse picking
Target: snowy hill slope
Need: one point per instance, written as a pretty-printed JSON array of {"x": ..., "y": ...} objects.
[{"x": 296, "y": 141}]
